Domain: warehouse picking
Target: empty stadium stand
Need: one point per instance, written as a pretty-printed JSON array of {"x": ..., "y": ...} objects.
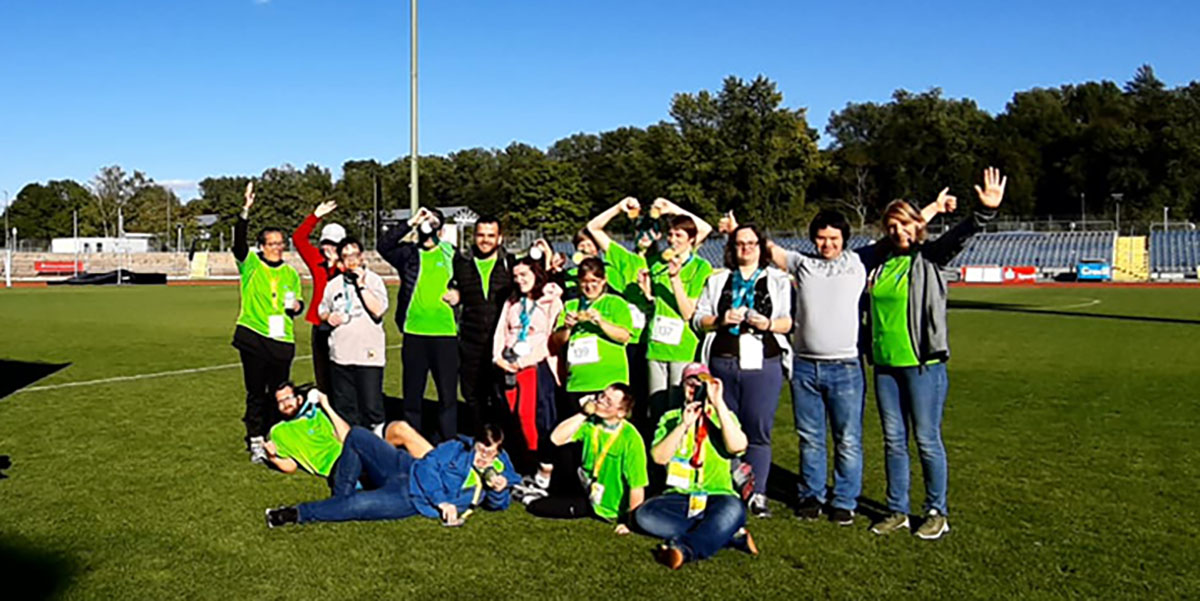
[
  {"x": 1174, "y": 253},
  {"x": 1048, "y": 251}
]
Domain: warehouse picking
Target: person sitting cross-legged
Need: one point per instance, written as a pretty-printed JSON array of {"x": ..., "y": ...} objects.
[
  {"x": 406, "y": 476},
  {"x": 701, "y": 512}
]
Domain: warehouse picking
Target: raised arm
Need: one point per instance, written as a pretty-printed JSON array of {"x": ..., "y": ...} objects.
[
  {"x": 340, "y": 427},
  {"x": 566, "y": 429},
  {"x": 241, "y": 246},
  {"x": 703, "y": 229},
  {"x": 662, "y": 452},
  {"x": 596, "y": 226},
  {"x": 945, "y": 203},
  {"x": 948, "y": 245},
  {"x": 731, "y": 433}
]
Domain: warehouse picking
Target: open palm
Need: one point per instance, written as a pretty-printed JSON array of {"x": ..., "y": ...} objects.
[{"x": 992, "y": 191}]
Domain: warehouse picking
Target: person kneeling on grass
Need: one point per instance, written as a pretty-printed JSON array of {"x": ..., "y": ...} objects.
[
  {"x": 701, "y": 512},
  {"x": 311, "y": 435},
  {"x": 405, "y": 476},
  {"x": 613, "y": 472}
]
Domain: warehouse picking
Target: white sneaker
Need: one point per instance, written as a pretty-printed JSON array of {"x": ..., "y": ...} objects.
[{"x": 378, "y": 430}]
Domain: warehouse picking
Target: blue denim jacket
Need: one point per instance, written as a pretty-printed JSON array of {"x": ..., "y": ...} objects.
[{"x": 439, "y": 478}]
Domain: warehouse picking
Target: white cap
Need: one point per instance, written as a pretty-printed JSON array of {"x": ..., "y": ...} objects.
[{"x": 332, "y": 233}]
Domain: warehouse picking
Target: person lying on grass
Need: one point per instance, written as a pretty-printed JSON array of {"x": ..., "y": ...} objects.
[
  {"x": 311, "y": 435},
  {"x": 612, "y": 475},
  {"x": 413, "y": 477}
]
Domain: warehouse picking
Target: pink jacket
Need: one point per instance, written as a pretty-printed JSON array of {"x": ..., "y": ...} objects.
[{"x": 541, "y": 325}]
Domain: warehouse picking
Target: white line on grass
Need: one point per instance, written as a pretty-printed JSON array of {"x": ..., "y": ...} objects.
[
  {"x": 160, "y": 374},
  {"x": 1088, "y": 303}
]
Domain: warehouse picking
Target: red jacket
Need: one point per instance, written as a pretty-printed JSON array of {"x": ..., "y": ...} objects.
[{"x": 315, "y": 260}]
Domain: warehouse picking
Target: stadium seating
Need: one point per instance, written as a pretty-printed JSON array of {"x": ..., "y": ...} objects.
[
  {"x": 1048, "y": 251},
  {"x": 1174, "y": 252}
]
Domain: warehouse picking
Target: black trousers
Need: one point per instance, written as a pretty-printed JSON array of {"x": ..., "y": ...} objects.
[
  {"x": 479, "y": 379},
  {"x": 261, "y": 376},
  {"x": 357, "y": 393},
  {"x": 563, "y": 508},
  {"x": 421, "y": 356},
  {"x": 320, "y": 357}
]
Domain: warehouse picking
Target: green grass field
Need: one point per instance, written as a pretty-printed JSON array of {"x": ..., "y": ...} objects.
[{"x": 1071, "y": 429}]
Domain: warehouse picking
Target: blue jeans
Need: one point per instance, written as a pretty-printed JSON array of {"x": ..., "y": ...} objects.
[
  {"x": 753, "y": 396},
  {"x": 836, "y": 389},
  {"x": 385, "y": 467},
  {"x": 666, "y": 517},
  {"x": 913, "y": 397}
]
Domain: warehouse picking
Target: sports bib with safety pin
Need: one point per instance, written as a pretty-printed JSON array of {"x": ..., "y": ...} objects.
[
  {"x": 584, "y": 350},
  {"x": 639, "y": 318},
  {"x": 667, "y": 330}
]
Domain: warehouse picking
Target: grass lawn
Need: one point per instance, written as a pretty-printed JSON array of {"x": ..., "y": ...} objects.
[{"x": 1070, "y": 427}]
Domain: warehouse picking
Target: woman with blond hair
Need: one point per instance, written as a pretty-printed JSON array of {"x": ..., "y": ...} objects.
[{"x": 909, "y": 348}]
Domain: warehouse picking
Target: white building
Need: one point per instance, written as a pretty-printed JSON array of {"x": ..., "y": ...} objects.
[{"x": 131, "y": 243}]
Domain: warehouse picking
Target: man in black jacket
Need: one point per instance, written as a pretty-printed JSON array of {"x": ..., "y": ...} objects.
[{"x": 482, "y": 282}]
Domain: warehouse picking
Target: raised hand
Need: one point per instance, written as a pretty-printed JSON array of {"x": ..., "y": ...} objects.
[
  {"x": 324, "y": 208},
  {"x": 993, "y": 188},
  {"x": 249, "y": 196},
  {"x": 946, "y": 202},
  {"x": 691, "y": 413},
  {"x": 727, "y": 224},
  {"x": 663, "y": 206},
  {"x": 644, "y": 282},
  {"x": 630, "y": 204}
]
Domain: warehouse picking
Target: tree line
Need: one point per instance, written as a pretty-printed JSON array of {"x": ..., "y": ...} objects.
[{"x": 1078, "y": 147}]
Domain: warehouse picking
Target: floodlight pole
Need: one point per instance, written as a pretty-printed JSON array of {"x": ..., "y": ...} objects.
[
  {"x": 412, "y": 108},
  {"x": 75, "y": 230}
]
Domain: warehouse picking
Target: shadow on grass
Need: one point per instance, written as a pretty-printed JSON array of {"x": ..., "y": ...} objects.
[
  {"x": 31, "y": 573},
  {"x": 1017, "y": 308},
  {"x": 782, "y": 487},
  {"x": 15, "y": 375}
]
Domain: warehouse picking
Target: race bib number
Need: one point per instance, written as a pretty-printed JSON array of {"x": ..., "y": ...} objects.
[
  {"x": 275, "y": 327},
  {"x": 584, "y": 351},
  {"x": 639, "y": 318},
  {"x": 679, "y": 474},
  {"x": 750, "y": 352},
  {"x": 697, "y": 502},
  {"x": 667, "y": 330}
]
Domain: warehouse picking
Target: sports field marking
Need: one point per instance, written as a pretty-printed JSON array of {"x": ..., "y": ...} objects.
[
  {"x": 1091, "y": 302},
  {"x": 159, "y": 374}
]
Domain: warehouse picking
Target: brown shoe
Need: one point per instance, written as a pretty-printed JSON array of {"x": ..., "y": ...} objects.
[{"x": 669, "y": 555}]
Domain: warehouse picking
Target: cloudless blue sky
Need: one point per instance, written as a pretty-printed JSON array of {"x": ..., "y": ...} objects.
[{"x": 185, "y": 89}]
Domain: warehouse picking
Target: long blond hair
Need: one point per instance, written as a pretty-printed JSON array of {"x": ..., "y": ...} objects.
[{"x": 905, "y": 212}]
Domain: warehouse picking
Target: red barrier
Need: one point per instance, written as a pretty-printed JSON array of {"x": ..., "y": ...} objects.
[
  {"x": 1020, "y": 274},
  {"x": 57, "y": 267}
]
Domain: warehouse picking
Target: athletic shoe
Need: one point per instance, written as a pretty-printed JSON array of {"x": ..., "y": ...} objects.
[
  {"x": 742, "y": 541},
  {"x": 934, "y": 526},
  {"x": 669, "y": 555},
  {"x": 841, "y": 517},
  {"x": 378, "y": 430},
  {"x": 808, "y": 509},
  {"x": 891, "y": 523},
  {"x": 758, "y": 506},
  {"x": 258, "y": 450},
  {"x": 528, "y": 491},
  {"x": 743, "y": 479},
  {"x": 282, "y": 517}
]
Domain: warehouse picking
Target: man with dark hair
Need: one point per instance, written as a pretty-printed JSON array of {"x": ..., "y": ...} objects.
[
  {"x": 310, "y": 436},
  {"x": 353, "y": 304},
  {"x": 406, "y": 476},
  {"x": 481, "y": 283},
  {"x": 425, "y": 317},
  {"x": 271, "y": 299}
]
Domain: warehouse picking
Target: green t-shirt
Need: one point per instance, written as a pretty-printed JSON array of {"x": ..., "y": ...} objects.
[
  {"x": 485, "y": 267},
  {"x": 428, "y": 314},
  {"x": 264, "y": 294},
  {"x": 593, "y": 360},
  {"x": 671, "y": 337},
  {"x": 715, "y": 475},
  {"x": 891, "y": 344},
  {"x": 310, "y": 441},
  {"x": 623, "y": 467},
  {"x": 623, "y": 268}
]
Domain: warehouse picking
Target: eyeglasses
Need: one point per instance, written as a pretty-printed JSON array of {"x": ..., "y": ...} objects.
[
  {"x": 746, "y": 244},
  {"x": 352, "y": 255},
  {"x": 280, "y": 243}
]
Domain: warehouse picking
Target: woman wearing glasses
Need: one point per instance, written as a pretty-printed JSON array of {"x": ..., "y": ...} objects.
[{"x": 354, "y": 304}]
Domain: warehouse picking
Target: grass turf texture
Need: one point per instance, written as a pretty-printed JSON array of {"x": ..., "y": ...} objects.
[{"x": 1073, "y": 472}]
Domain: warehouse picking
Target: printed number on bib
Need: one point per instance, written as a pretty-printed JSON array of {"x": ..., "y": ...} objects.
[
  {"x": 584, "y": 351},
  {"x": 275, "y": 327},
  {"x": 667, "y": 330}
]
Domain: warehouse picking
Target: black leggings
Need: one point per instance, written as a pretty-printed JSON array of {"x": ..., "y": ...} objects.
[
  {"x": 562, "y": 508},
  {"x": 357, "y": 394},
  {"x": 422, "y": 355},
  {"x": 261, "y": 376}
]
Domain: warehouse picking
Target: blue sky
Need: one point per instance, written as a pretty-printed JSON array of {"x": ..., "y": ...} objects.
[{"x": 184, "y": 89}]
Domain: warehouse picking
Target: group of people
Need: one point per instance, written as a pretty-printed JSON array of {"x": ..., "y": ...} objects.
[{"x": 571, "y": 365}]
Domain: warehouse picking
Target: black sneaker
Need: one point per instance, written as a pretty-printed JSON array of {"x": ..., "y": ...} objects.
[
  {"x": 842, "y": 517},
  {"x": 282, "y": 517},
  {"x": 808, "y": 509}
]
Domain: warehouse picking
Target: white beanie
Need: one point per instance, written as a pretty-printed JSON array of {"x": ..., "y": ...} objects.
[{"x": 332, "y": 233}]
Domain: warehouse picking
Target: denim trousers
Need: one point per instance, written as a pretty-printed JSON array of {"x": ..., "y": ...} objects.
[
  {"x": 666, "y": 517},
  {"x": 384, "y": 469},
  {"x": 834, "y": 391},
  {"x": 913, "y": 397}
]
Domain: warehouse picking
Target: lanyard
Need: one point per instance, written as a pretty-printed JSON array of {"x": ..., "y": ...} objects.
[
  {"x": 697, "y": 459},
  {"x": 525, "y": 319},
  {"x": 743, "y": 294},
  {"x": 274, "y": 283},
  {"x": 601, "y": 455},
  {"x": 349, "y": 297}
]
